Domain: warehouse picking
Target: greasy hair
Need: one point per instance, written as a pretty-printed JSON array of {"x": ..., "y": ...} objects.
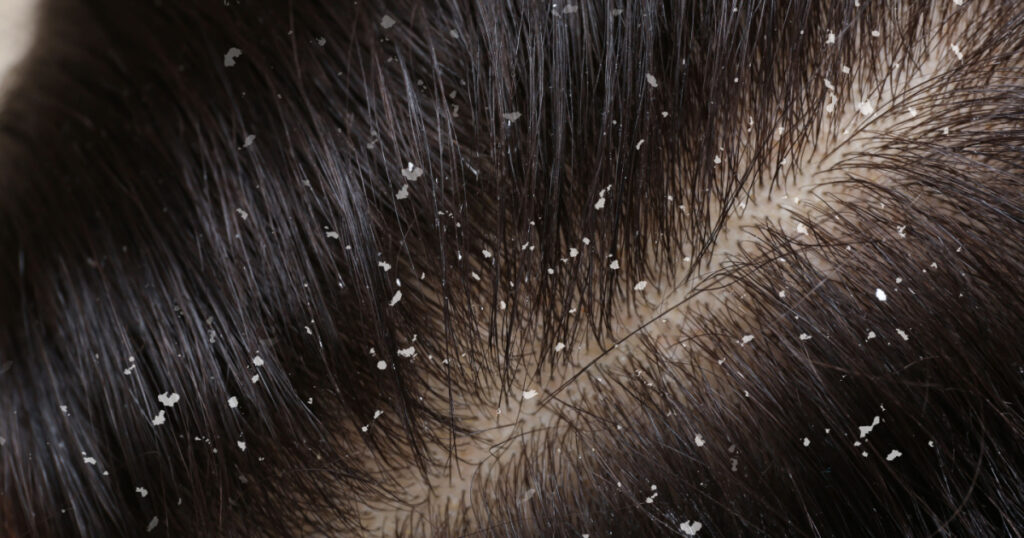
[{"x": 261, "y": 262}]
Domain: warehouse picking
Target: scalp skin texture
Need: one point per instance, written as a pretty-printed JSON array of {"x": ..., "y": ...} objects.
[{"x": 514, "y": 268}]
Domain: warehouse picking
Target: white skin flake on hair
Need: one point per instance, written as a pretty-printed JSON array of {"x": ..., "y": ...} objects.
[
  {"x": 690, "y": 528},
  {"x": 865, "y": 430},
  {"x": 231, "y": 55},
  {"x": 168, "y": 399}
]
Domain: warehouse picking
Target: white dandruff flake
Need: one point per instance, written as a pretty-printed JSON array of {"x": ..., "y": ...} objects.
[
  {"x": 160, "y": 418},
  {"x": 640, "y": 143},
  {"x": 529, "y": 394},
  {"x": 511, "y": 117},
  {"x": 880, "y": 294},
  {"x": 640, "y": 286},
  {"x": 865, "y": 430},
  {"x": 412, "y": 172},
  {"x": 402, "y": 193},
  {"x": 382, "y": 365},
  {"x": 152, "y": 524},
  {"x": 747, "y": 338},
  {"x": 875, "y": 33},
  {"x": 871, "y": 335},
  {"x": 231, "y": 55},
  {"x": 258, "y": 361},
  {"x": 651, "y": 80},
  {"x": 241, "y": 446},
  {"x": 387, "y": 22},
  {"x": 407, "y": 352},
  {"x": 141, "y": 491},
  {"x": 486, "y": 253},
  {"x": 903, "y": 334},
  {"x": 395, "y": 298},
  {"x": 89, "y": 460},
  {"x": 805, "y": 336},
  {"x": 233, "y": 402},
  {"x": 699, "y": 440},
  {"x": 957, "y": 51},
  {"x": 690, "y": 528},
  {"x": 830, "y": 106},
  {"x": 573, "y": 252},
  {"x": 807, "y": 442},
  {"x": 614, "y": 265},
  {"x": 242, "y": 213},
  {"x": 830, "y": 39},
  {"x": 559, "y": 346},
  {"x": 249, "y": 139},
  {"x": 865, "y": 108},
  {"x": 168, "y": 399},
  {"x": 599, "y": 204},
  {"x": 333, "y": 235},
  {"x": 958, "y": 2},
  {"x": 893, "y": 455}
]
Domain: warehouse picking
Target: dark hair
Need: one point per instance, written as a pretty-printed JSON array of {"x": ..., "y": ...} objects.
[{"x": 276, "y": 267}]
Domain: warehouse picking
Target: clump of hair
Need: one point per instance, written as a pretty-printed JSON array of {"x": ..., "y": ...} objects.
[{"x": 262, "y": 263}]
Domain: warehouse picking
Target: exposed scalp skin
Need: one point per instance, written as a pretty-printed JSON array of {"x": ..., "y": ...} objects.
[{"x": 149, "y": 246}]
